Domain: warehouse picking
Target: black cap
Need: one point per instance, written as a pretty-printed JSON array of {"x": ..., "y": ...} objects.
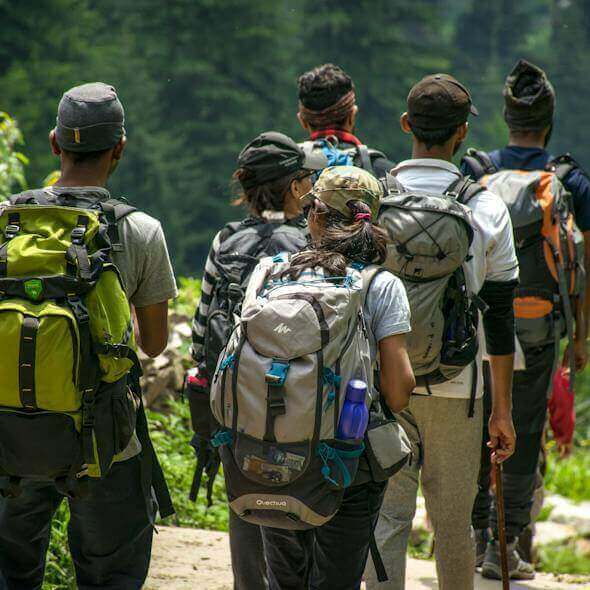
[
  {"x": 273, "y": 155},
  {"x": 438, "y": 102},
  {"x": 529, "y": 98},
  {"x": 90, "y": 118}
]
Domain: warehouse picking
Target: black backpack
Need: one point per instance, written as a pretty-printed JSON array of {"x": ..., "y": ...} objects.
[{"x": 242, "y": 245}]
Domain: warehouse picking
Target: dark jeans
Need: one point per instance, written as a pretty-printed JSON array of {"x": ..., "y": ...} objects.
[
  {"x": 529, "y": 411},
  {"x": 331, "y": 557},
  {"x": 247, "y": 554},
  {"x": 110, "y": 533}
]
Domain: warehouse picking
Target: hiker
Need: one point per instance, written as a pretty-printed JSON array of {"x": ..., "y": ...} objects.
[
  {"x": 273, "y": 174},
  {"x": 529, "y": 105},
  {"x": 110, "y": 528},
  {"x": 444, "y": 418},
  {"x": 328, "y": 112},
  {"x": 311, "y": 329}
]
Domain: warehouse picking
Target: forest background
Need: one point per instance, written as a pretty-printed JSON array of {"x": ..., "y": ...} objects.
[{"x": 200, "y": 78}]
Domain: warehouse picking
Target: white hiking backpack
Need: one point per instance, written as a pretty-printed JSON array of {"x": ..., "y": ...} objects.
[{"x": 278, "y": 392}]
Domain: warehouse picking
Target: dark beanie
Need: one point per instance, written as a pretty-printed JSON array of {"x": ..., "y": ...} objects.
[
  {"x": 529, "y": 98},
  {"x": 90, "y": 118}
]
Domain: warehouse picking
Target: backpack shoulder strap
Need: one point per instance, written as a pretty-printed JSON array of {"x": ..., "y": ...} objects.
[
  {"x": 464, "y": 189},
  {"x": 369, "y": 273},
  {"x": 391, "y": 184},
  {"x": 365, "y": 157},
  {"x": 115, "y": 210},
  {"x": 562, "y": 166},
  {"x": 479, "y": 162}
]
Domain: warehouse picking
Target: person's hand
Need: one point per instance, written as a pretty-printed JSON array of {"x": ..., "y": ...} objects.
[
  {"x": 502, "y": 437},
  {"x": 580, "y": 355},
  {"x": 565, "y": 449}
]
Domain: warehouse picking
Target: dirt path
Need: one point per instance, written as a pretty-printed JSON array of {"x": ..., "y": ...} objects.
[{"x": 193, "y": 559}]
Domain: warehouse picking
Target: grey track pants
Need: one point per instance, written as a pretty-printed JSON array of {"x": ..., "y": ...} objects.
[{"x": 447, "y": 443}]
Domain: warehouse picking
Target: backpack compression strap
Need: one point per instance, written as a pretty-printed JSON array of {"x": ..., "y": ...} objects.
[{"x": 479, "y": 162}]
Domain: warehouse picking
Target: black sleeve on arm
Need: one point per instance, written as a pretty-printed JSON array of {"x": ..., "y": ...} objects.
[{"x": 498, "y": 320}]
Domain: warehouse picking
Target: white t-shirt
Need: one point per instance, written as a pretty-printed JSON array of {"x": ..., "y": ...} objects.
[{"x": 493, "y": 257}]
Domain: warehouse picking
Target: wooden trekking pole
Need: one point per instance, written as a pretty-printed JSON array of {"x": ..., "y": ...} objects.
[{"x": 502, "y": 527}]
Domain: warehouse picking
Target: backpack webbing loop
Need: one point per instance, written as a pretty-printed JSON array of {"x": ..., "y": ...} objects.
[
  {"x": 26, "y": 362},
  {"x": 275, "y": 399}
]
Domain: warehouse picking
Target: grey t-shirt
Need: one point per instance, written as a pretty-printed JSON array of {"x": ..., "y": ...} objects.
[
  {"x": 144, "y": 264},
  {"x": 386, "y": 311}
]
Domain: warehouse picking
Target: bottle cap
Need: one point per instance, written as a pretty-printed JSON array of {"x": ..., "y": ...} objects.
[{"x": 356, "y": 391}]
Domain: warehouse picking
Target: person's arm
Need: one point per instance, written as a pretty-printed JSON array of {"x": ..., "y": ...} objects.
[
  {"x": 396, "y": 378},
  {"x": 499, "y": 330},
  {"x": 156, "y": 286},
  {"x": 152, "y": 328},
  {"x": 502, "y": 435}
]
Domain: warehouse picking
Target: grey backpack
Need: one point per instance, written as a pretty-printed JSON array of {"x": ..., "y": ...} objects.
[
  {"x": 430, "y": 239},
  {"x": 278, "y": 392}
]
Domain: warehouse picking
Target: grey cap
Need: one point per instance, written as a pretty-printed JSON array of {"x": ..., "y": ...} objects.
[{"x": 90, "y": 118}]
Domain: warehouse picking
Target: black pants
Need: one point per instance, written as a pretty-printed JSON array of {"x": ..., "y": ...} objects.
[
  {"x": 331, "y": 557},
  {"x": 110, "y": 533},
  {"x": 529, "y": 411},
  {"x": 247, "y": 554}
]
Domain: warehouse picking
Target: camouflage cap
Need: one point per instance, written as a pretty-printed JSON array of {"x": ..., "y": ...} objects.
[{"x": 338, "y": 185}]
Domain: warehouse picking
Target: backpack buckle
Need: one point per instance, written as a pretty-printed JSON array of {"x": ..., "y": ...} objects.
[
  {"x": 277, "y": 373},
  {"x": 11, "y": 230},
  {"x": 78, "y": 235},
  {"x": 79, "y": 309},
  {"x": 452, "y": 194}
]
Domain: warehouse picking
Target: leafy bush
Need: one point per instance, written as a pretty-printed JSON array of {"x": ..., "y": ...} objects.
[
  {"x": 12, "y": 162},
  {"x": 565, "y": 558},
  {"x": 570, "y": 477},
  {"x": 171, "y": 434}
]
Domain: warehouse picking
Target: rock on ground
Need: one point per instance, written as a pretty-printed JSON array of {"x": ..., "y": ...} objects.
[{"x": 186, "y": 559}]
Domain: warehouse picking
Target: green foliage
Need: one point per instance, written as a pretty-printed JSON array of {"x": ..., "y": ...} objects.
[
  {"x": 12, "y": 162},
  {"x": 570, "y": 477},
  {"x": 59, "y": 572},
  {"x": 189, "y": 293},
  {"x": 171, "y": 434},
  {"x": 564, "y": 558}
]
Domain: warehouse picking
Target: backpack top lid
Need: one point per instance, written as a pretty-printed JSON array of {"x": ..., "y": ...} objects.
[
  {"x": 287, "y": 318},
  {"x": 430, "y": 233},
  {"x": 528, "y": 195}
]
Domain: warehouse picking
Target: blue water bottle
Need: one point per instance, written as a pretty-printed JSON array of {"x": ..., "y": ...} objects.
[{"x": 355, "y": 414}]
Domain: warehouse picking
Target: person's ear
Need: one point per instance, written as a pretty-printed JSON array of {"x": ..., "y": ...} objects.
[
  {"x": 297, "y": 188},
  {"x": 404, "y": 123},
  {"x": 351, "y": 119},
  {"x": 118, "y": 150},
  {"x": 462, "y": 132},
  {"x": 55, "y": 149},
  {"x": 303, "y": 122}
]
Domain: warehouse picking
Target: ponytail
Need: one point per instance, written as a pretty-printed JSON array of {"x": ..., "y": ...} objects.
[{"x": 343, "y": 241}]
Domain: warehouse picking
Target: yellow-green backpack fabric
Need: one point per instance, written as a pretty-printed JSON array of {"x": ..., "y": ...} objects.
[{"x": 67, "y": 339}]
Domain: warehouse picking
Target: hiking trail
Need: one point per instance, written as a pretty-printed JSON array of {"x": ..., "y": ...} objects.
[{"x": 185, "y": 559}]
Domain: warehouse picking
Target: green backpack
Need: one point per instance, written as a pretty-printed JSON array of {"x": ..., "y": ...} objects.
[{"x": 67, "y": 407}]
